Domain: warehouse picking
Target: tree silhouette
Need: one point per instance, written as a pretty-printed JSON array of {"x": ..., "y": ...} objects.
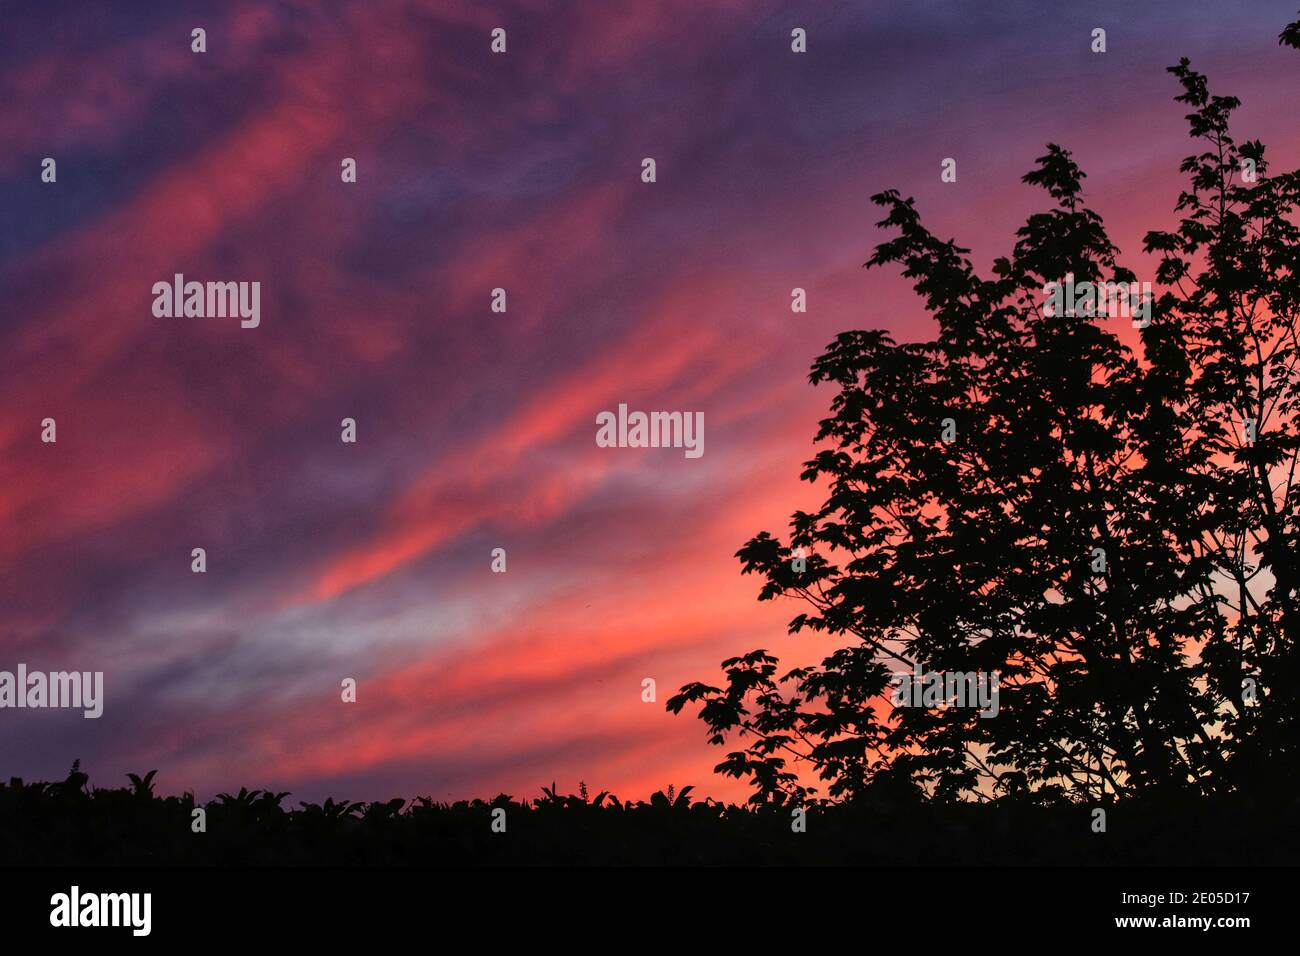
[{"x": 1110, "y": 528}]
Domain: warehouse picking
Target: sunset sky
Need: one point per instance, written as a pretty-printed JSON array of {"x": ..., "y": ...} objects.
[{"x": 476, "y": 429}]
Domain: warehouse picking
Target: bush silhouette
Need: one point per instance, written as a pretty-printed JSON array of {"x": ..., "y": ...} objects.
[{"x": 69, "y": 823}]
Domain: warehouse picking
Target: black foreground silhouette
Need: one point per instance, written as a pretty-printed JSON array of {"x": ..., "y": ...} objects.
[{"x": 71, "y": 823}]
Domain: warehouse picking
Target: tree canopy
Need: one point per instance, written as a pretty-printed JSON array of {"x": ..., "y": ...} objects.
[{"x": 1104, "y": 518}]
